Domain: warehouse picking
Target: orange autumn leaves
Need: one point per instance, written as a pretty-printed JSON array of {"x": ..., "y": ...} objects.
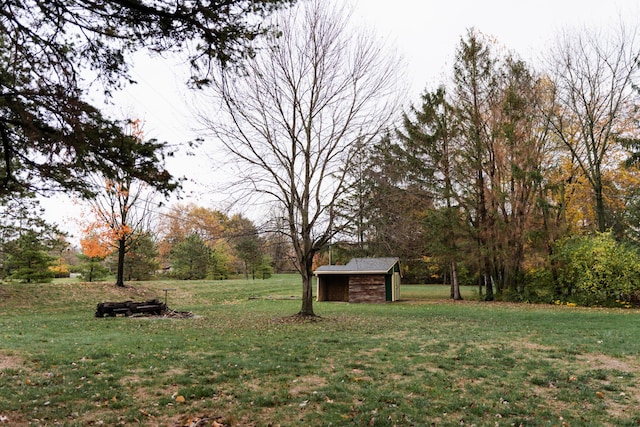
[
  {"x": 93, "y": 247},
  {"x": 103, "y": 232}
]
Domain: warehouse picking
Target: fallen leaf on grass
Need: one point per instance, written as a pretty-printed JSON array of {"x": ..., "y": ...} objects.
[{"x": 180, "y": 399}]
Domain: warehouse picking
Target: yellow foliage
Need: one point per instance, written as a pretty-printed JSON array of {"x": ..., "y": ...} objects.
[{"x": 60, "y": 270}]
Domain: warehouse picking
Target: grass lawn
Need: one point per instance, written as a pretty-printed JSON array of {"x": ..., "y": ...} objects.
[{"x": 244, "y": 361}]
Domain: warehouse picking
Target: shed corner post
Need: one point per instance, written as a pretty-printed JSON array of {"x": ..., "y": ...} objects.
[{"x": 319, "y": 292}]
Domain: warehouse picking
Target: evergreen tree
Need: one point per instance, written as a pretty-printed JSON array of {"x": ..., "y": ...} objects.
[
  {"x": 28, "y": 260},
  {"x": 429, "y": 148},
  {"x": 92, "y": 268},
  {"x": 18, "y": 217},
  {"x": 190, "y": 259},
  {"x": 243, "y": 235},
  {"x": 140, "y": 262},
  {"x": 221, "y": 259},
  {"x": 50, "y": 53}
]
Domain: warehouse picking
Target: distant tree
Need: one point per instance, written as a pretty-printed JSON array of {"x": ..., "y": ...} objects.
[
  {"x": 28, "y": 259},
  {"x": 19, "y": 216},
  {"x": 190, "y": 258},
  {"x": 221, "y": 260},
  {"x": 277, "y": 245},
  {"x": 264, "y": 270},
  {"x": 52, "y": 51},
  {"x": 594, "y": 86},
  {"x": 182, "y": 221},
  {"x": 210, "y": 225},
  {"x": 476, "y": 93},
  {"x": 59, "y": 248},
  {"x": 140, "y": 262},
  {"x": 429, "y": 134},
  {"x": 94, "y": 251},
  {"x": 243, "y": 236},
  {"x": 92, "y": 268},
  {"x": 121, "y": 210},
  {"x": 393, "y": 210},
  {"x": 292, "y": 118},
  {"x": 358, "y": 201}
]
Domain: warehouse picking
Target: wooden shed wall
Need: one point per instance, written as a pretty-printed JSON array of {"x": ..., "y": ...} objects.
[
  {"x": 367, "y": 288},
  {"x": 333, "y": 288}
]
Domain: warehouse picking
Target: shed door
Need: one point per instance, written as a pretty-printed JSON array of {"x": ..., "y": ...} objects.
[
  {"x": 388, "y": 287},
  {"x": 392, "y": 286},
  {"x": 396, "y": 285}
]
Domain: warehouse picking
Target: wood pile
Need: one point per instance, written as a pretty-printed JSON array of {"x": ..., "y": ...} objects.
[{"x": 130, "y": 308}]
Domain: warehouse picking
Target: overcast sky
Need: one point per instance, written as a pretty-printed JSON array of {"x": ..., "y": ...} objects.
[{"x": 426, "y": 32}]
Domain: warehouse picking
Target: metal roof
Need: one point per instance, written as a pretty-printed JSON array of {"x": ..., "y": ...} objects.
[{"x": 360, "y": 266}]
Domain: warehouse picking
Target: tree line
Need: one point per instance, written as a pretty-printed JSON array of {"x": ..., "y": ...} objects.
[
  {"x": 509, "y": 177},
  {"x": 187, "y": 242},
  {"x": 521, "y": 181}
]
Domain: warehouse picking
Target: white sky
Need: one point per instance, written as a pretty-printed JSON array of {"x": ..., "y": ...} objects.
[{"x": 426, "y": 32}]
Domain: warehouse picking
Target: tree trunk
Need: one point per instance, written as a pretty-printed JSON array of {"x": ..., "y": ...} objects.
[
  {"x": 307, "y": 294},
  {"x": 600, "y": 208},
  {"x": 455, "y": 285},
  {"x": 120, "y": 269},
  {"x": 488, "y": 280}
]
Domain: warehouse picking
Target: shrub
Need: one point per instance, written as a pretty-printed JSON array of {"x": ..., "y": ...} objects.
[
  {"x": 539, "y": 286},
  {"x": 60, "y": 271},
  {"x": 597, "y": 270}
]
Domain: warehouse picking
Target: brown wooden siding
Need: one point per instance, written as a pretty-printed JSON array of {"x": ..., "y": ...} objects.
[
  {"x": 367, "y": 288},
  {"x": 333, "y": 288}
]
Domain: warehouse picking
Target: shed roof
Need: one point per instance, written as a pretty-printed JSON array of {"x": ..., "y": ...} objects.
[{"x": 360, "y": 266}]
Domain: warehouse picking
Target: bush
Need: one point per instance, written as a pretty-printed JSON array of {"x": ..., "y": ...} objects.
[
  {"x": 539, "y": 286},
  {"x": 60, "y": 271},
  {"x": 597, "y": 270}
]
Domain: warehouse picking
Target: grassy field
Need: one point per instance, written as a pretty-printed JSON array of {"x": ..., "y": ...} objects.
[{"x": 244, "y": 361}]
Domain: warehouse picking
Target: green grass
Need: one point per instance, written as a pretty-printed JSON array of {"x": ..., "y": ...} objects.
[{"x": 244, "y": 361}]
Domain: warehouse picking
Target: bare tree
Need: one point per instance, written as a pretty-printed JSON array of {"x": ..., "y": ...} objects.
[
  {"x": 593, "y": 75},
  {"x": 292, "y": 119}
]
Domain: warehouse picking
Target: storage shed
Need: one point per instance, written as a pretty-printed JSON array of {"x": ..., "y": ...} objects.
[{"x": 361, "y": 280}]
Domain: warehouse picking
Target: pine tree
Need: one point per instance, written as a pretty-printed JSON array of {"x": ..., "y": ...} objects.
[
  {"x": 190, "y": 258},
  {"x": 28, "y": 260},
  {"x": 50, "y": 136}
]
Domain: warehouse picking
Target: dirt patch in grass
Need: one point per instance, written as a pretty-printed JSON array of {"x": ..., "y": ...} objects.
[
  {"x": 617, "y": 393},
  {"x": 627, "y": 396},
  {"x": 307, "y": 384},
  {"x": 199, "y": 421},
  {"x": 602, "y": 361},
  {"x": 528, "y": 346},
  {"x": 10, "y": 362},
  {"x": 13, "y": 419},
  {"x": 298, "y": 318}
]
